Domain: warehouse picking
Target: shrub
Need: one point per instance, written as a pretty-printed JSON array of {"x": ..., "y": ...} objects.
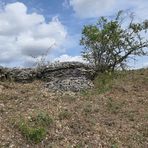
[
  {"x": 35, "y": 129},
  {"x": 64, "y": 115},
  {"x": 43, "y": 119},
  {"x": 34, "y": 134}
]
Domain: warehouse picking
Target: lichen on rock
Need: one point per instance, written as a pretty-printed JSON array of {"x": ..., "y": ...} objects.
[{"x": 64, "y": 76}]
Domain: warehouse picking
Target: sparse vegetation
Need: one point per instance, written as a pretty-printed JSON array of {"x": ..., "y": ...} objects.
[
  {"x": 113, "y": 117},
  {"x": 35, "y": 128},
  {"x": 42, "y": 119},
  {"x": 112, "y": 106},
  {"x": 32, "y": 134},
  {"x": 65, "y": 114}
]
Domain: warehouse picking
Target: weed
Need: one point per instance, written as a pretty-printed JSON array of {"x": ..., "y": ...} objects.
[
  {"x": 114, "y": 146},
  {"x": 65, "y": 114},
  {"x": 35, "y": 128},
  {"x": 130, "y": 115},
  {"x": 43, "y": 119},
  {"x": 103, "y": 82},
  {"x": 34, "y": 134},
  {"x": 113, "y": 106},
  {"x": 68, "y": 98},
  {"x": 79, "y": 145},
  {"x": 144, "y": 130},
  {"x": 87, "y": 109}
]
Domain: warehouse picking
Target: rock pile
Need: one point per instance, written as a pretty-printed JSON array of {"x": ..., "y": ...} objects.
[
  {"x": 74, "y": 84},
  {"x": 65, "y": 76},
  {"x": 17, "y": 75}
]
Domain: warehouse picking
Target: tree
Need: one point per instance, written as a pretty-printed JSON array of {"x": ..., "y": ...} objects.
[{"x": 111, "y": 42}]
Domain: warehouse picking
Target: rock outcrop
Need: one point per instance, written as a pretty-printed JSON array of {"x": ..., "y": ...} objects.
[
  {"x": 73, "y": 84},
  {"x": 64, "y": 76}
]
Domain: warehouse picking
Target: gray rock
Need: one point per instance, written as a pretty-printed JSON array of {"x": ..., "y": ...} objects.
[
  {"x": 66, "y": 69},
  {"x": 74, "y": 84},
  {"x": 21, "y": 75},
  {"x": 65, "y": 76}
]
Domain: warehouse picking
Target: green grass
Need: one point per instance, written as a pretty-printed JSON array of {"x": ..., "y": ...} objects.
[
  {"x": 43, "y": 119},
  {"x": 32, "y": 134},
  {"x": 35, "y": 129}
]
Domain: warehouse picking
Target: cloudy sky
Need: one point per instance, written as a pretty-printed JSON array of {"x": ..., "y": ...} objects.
[{"x": 31, "y": 28}]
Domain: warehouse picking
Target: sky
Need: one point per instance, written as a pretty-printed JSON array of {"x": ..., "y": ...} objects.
[{"x": 31, "y": 29}]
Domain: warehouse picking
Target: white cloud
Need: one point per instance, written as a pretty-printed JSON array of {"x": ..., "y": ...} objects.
[
  {"x": 67, "y": 58},
  {"x": 96, "y": 8},
  {"x": 65, "y": 4},
  {"x": 91, "y": 8},
  {"x": 23, "y": 35}
]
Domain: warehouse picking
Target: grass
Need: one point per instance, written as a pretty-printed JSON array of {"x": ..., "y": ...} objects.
[
  {"x": 114, "y": 146},
  {"x": 43, "y": 119},
  {"x": 113, "y": 106},
  {"x": 113, "y": 114},
  {"x": 87, "y": 109},
  {"x": 68, "y": 98},
  {"x": 104, "y": 82},
  {"x": 65, "y": 114},
  {"x": 35, "y": 129},
  {"x": 32, "y": 134}
]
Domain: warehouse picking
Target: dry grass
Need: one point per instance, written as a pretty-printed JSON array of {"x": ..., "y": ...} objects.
[{"x": 114, "y": 115}]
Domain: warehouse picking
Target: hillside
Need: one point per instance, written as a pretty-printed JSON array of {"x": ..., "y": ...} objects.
[{"x": 114, "y": 114}]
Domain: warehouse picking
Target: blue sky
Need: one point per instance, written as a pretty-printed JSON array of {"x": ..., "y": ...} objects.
[{"x": 29, "y": 27}]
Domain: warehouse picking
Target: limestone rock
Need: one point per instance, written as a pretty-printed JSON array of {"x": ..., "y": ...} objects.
[
  {"x": 64, "y": 76},
  {"x": 65, "y": 70},
  {"x": 74, "y": 84}
]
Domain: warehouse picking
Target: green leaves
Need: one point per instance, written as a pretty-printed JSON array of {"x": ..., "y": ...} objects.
[{"x": 108, "y": 44}]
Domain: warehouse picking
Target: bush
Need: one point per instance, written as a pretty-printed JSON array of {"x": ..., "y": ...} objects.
[
  {"x": 34, "y": 134},
  {"x": 64, "y": 115},
  {"x": 35, "y": 128},
  {"x": 43, "y": 119}
]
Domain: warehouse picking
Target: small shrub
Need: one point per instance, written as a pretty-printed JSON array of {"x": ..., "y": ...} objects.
[
  {"x": 43, "y": 119},
  {"x": 130, "y": 115},
  {"x": 79, "y": 145},
  {"x": 35, "y": 129},
  {"x": 34, "y": 134},
  {"x": 88, "y": 109},
  {"x": 64, "y": 115},
  {"x": 113, "y": 106}
]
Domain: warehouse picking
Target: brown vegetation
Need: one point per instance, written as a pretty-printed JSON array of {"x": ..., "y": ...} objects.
[{"x": 114, "y": 114}]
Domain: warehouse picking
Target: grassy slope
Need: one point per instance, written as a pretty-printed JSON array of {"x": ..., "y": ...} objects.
[{"x": 115, "y": 114}]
